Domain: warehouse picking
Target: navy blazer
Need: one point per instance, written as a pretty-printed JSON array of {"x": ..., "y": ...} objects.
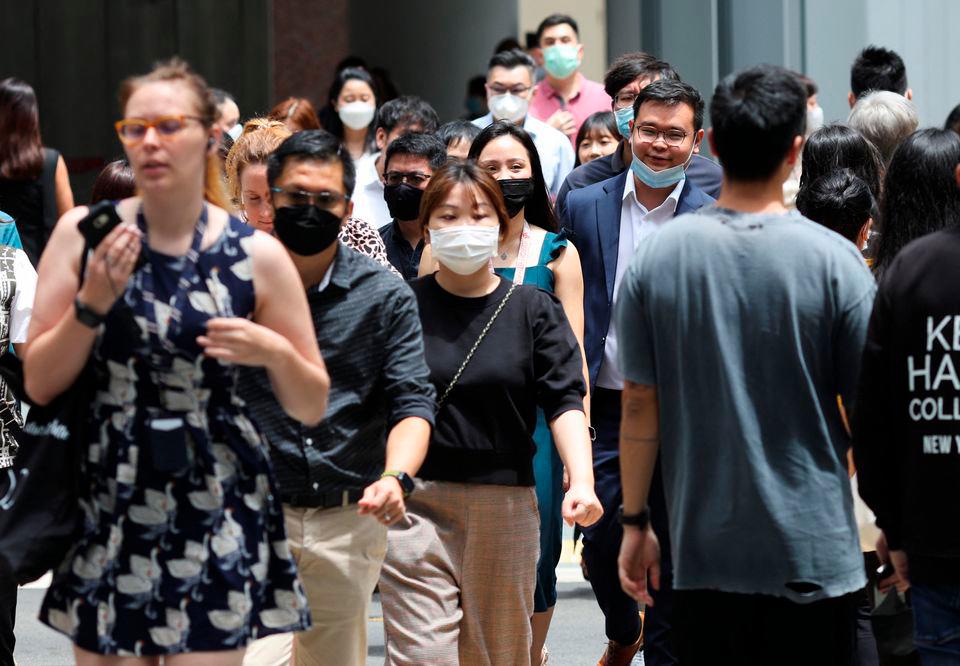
[{"x": 592, "y": 220}]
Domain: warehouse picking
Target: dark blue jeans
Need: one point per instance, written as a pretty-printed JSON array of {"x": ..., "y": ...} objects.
[
  {"x": 936, "y": 623},
  {"x": 601, "y": 543}
]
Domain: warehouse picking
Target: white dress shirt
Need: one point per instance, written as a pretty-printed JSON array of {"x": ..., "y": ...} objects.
[
  {"x": 368, "y": 202},
  {"x": 636, "y": 224},
  {"x": 553, "y": 147}
]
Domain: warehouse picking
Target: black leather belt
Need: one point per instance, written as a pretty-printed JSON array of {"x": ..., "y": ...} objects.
[{"x": 326, "y": 500}]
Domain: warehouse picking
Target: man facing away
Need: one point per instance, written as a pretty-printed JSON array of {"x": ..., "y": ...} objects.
[
  {"x": 739, "y": 326},
  {"x": 342, "y": 482}
]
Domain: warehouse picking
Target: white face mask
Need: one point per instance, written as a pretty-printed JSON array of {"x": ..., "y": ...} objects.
[
  {"x": 814, "y": 119},
  {"x": 464, "y": 249},
  {"x": 356, "y": 115},
  {"x": 508, "y": 107}
]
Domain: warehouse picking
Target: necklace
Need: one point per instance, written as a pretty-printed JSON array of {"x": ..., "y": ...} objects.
[{"x": 524, "y": 235}]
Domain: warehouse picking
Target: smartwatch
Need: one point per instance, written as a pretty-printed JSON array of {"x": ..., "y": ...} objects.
[
  {"x": 86, "y": 316},
  {"x": 404, "y": 479},
  {"x": 638, "y": 520}
]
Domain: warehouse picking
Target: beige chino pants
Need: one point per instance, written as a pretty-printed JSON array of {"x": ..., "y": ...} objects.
[
  {"x": 339, "y": 555},
  {"x": 458, "y": 581}
]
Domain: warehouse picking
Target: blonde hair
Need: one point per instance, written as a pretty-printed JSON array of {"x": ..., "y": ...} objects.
[
  {"x": 260, "y": 137},
  {"x": 176, "y": 70}
]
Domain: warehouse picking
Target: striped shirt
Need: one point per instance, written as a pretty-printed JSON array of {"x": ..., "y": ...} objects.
[{"x": 368, "y": 330}]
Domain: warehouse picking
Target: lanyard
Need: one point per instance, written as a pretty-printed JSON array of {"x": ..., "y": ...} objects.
[
  {"x": 177, "y": 300},
  {"x": 521, "y": 267}
]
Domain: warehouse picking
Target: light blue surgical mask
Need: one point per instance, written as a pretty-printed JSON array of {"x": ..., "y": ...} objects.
[
  {"x": 659, "y": 179},
  {"x": 561, "y": 60},
  {"x": 624, "y": 116}
]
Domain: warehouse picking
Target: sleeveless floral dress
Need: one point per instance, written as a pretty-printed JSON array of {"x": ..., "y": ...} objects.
[{"x": 183, "y": 547}]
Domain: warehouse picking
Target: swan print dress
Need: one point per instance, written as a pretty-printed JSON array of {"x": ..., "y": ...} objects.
[{"x": 183, "y": 547}]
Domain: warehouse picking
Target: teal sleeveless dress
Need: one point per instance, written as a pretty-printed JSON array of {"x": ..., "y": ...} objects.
[{"x": 547, "y": 466}]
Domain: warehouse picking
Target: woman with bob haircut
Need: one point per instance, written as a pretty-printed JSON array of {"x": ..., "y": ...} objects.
[
  {"x": 497, "y": 352},
  {"x": 183, "y": 551}
]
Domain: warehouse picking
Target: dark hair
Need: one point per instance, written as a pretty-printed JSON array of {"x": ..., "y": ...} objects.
[
  {"x": 456, "y": 131},
  {"x": 839, "y": 200},
  {"x": 512, "y": 58},
  {"x": 298, "y": 110},
  {"x": 318, "y": 145},
  {"x": 756, "y": 114},
  {"x": 538, "y": 209},
  {"x": 557, "y": 19},
  {"x": 333, "y": 123},
  {"x": 631, "y": 66},
  {"x": 462, "y": 172},
  {"x": 407, "y": 111},
  {"x": 221, "y": 96},
  {"x": 920, "y": 193},
  {"x": 839, "y": 146},
  {"x": 114, "y": 182},
  {"x": 808, "y": 83},
  {"x": 599, "y": 120},
  {"x": 671, "y": 93},
  {"x": 506, "y": 44},
  {"x": 953, "y": 120},
  {"x": 418, "y": 144},
  {"x": 21, "y": 150},
  {"x": 877, "y": 68}
]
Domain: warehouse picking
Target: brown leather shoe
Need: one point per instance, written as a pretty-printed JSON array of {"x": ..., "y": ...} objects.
[{"x": 620, "y": 655}]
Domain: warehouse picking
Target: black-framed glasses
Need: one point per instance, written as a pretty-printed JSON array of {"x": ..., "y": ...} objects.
[
  {"x": 324, "y": 199},
  {"x": 134, "y": 130},
  {"x": 624, "y": 99},
  {"x": 650, "y": 134},
  {"x": 413, "y": 178}
]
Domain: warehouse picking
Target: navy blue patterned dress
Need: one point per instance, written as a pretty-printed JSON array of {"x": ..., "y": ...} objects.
[{"x": 179, "y": 553}]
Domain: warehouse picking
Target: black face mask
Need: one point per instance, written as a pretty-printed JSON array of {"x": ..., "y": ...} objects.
[
  {"x": 403, "y": 201},
  {"x": 516, "y": 193},
  {"x": 307, "y": 229}
]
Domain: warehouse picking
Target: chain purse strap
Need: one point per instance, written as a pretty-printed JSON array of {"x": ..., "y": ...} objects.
[{"x": 483, "y": 334}]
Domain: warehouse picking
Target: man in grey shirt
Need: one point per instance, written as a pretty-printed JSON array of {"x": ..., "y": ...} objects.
[{"x": 740, "y": 325}]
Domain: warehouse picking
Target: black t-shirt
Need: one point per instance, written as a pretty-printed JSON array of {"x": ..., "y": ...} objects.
[
  {"x": 529, "y": 358},
  {"x": 906, "y": 417}
]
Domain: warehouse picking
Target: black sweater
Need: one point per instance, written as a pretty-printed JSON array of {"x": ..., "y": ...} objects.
[
  {"x": 529, "y": 358},
  {"x": 906, "y": 419}
]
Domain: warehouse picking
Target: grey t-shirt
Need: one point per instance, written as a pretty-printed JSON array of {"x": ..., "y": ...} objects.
[{"x": 750, "y": 326}]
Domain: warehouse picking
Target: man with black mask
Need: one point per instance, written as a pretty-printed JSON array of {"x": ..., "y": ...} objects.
[
  {"x": 407, "y": 168},
  {"x": 344, "y": 481}
]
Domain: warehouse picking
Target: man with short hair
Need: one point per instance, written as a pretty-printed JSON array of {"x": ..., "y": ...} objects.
[
  {"x": 877, "y": 68},
  {"x": 738, "y": 327},
  {"x": 394, "y": 119},
  {"x": 228, "y": 113},
  {"x": 626, "y": 77},
  {"x": 408, "y": 166},
  {"x": 607, "y": 222},
  {"x": 885, "y": 119},
  {"x": 565, "y": 97},
  {"x": 509, "y": 91},
  {"x": 342, "y": 482}
]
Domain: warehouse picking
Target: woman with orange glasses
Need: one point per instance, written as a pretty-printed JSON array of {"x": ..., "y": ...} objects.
[{"x": 183, "y": 550}]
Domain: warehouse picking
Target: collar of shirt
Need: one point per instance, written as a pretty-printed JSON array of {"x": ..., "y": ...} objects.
[
  {"x": 544, "y": 88},
  {"x": 669, "y": 204},
  {"x": 341, "y": 270}
]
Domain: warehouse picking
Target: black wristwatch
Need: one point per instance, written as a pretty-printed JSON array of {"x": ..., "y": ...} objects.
[
  {"x": 86, "y": 316},
  {"x": 638, "y": 520},
  {"x": 404, "y": 479}
]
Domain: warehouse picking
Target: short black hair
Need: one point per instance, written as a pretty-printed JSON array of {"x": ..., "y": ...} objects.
[
  {"x": 456, "y": 131},
  {"x": 512, "y": 58},
  {"x": 418, "y": 144},
  {"x": 319, "y": 145},
  {"x": 671, "y": 93},
  {"x": 406, "y": 111},
  {"x": 953, "y": 120},
  {"x": 877, "y": 68},
  {"x": 220, "y": 96},
  {"x": 557, "y": 19},
  {"x": 756, "y": 115},
  {"x": 839, "y": 200},
  {"x": 631, "y": 66}
]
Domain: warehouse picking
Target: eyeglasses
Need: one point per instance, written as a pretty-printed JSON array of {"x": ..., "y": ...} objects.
[
  {"x": 670, "y": 137},
  {"x": 497, "y": 89},
  {"x": 624, "y": 99},
  {"x": 133, "y": 130},
  {"x": 414, "y": 178},
  {"x": 325, "y": 199}
]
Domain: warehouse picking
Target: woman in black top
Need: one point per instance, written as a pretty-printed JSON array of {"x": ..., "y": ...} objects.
[{"x": 459, "y": 576}]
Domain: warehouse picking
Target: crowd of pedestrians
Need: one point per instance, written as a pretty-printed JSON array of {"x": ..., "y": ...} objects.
[{"x": 339, "y": 350}]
